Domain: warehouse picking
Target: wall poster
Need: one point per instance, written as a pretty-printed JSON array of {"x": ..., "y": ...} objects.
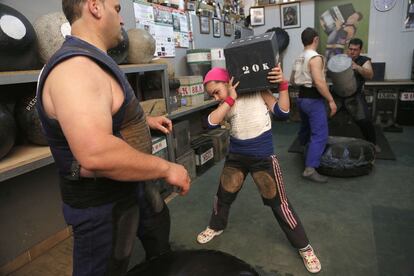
[{"x": 338, "y": 21}]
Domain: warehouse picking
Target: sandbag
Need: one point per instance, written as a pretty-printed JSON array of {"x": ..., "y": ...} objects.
[
  {"x": 194, "y": 263},
  {"x": 346, "y": 157},
  {"x": 51, "y": 30},
  {"x": 28, "y": 120},
  {"x": 141, "y": 46},
  {"x": 18, "y": 46},
  {"x": 120, "y": 52},
  {"x": 7, "y": 130}
]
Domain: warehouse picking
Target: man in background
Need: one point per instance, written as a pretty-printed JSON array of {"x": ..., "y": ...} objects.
[{"x": 308, "y": 74}]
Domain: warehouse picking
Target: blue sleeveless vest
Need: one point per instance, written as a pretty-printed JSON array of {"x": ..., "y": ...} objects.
[{"x": 128, "y": 123}]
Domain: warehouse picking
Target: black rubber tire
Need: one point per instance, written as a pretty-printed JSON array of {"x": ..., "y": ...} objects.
[
  {"x": 7, "y": 130},
  {"x": 347, "y": 157},
  {"x": 194, "y": 262}
]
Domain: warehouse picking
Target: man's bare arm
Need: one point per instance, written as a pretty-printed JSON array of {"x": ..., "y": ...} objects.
[
  {"x": 84, "y": 110},
  {"x": 365, "y": 70},
  {"x": 316, "y": 68}
]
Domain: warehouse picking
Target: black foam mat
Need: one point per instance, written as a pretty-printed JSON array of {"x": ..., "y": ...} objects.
[{"x": 352, "y": 130}]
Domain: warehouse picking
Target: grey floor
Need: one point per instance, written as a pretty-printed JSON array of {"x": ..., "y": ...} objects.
[{"x": 358, "y": 226}]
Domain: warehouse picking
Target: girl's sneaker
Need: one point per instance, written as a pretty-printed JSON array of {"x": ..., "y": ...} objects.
[
  {"x": 207, "y": 235},
  {"x": 310, "y": 260}
]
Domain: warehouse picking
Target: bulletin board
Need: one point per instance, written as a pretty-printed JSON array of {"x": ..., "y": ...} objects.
[{"x": 168, "y": 26}]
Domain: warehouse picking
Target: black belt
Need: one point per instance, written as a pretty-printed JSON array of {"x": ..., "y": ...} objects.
[{"x": 309, "y": 92}]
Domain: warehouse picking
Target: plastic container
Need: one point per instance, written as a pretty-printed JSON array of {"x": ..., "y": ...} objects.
[
  {"x": 369, "y": 98},
  {"x": 217, "y": 58},
  {"x": 159, "y": 148},
  {"x": 182, "y": 138},
  {"x": 194, "y": 100},
  {"x": 405, "y": 113},
  {"x": 386, "y": 107},
  {"x": 188, "y": 161},
  {"x": 220, "y": 138},
  {"x": 191, "y": 90},
  {"x": 204, "y": 153},
  {"x": 199, "y": 61}
]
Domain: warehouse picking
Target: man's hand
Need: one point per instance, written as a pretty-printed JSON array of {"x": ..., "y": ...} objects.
[
  {"x": 332, "y": 107},
  {"x": 232, "y": 88},
  {"x": 178, "y": 176},
  {"x": 275, "y": 75},
  {"x": 160, "y": 123},
  {"x": 355, "y": 66}
]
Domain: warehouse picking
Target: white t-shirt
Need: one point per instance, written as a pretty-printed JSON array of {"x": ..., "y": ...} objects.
[
  {"x": 301, "y": 69},
  {"x": 249, "y": 117}
]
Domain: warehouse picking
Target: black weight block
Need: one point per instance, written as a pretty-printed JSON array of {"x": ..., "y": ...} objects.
[{"x": 250, "y": 59}]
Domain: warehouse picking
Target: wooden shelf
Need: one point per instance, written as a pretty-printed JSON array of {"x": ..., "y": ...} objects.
[
  {"x": 185, "y": 110},
  {"x": 389, "y": 82},
  {"x": 15, "y": 77},
  {"x": 23, "y": 159}
]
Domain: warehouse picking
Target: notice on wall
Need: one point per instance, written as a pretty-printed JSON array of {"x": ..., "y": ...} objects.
[
  {"x": 165, "y": 40},
  {"x": 180, "y": 25},
  {"x": 182, "y": 40},
  {"x": 158, "y": 22},
  {"x": 168, "y": 26},
  {"x": 144, "y": 14}
]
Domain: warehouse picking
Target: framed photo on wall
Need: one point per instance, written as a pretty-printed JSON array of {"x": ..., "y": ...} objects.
[
  {"x": 216, "y": 27},
  {"x": 228, "y": 30},
  {"x": 408, "y": 9},
  {"x": 257, "y": 16},
  {"x": 204, "y": 25},
  {"x": 290, "y": 15}
]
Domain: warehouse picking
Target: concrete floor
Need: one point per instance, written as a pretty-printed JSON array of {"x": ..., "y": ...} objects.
[{"x": 358, "y": 226}]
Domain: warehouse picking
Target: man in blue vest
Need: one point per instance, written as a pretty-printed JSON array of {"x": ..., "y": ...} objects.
[{"x": 100, "y": 140}]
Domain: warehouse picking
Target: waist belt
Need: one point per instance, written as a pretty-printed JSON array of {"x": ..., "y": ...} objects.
[{"x": 309, "y": 92}]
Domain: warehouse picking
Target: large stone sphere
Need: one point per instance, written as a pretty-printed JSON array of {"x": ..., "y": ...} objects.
[
  {"x": 141, "y": 46},
  {"x": 51, "y": 30}
]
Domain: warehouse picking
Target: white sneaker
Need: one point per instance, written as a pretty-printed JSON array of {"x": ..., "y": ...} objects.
[
  {"x": 207, "y": 235},
  {"x": 310, "y": 260}
]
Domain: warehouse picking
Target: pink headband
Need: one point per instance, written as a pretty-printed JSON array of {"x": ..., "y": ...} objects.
[{"x": 217, "y": 74}]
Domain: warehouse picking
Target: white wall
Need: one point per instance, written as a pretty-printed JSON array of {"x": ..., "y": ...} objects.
[
  {"x": 387, "y": 43},
  {"x": 272, "y": 19}
]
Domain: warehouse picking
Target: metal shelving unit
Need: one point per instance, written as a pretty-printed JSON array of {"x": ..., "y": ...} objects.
[
  {"x": 389, "y": 83},
  {"x": 23, "y": 159},
  {"x": 186, "y": 110},
  {"x": 26, "y": 158}
]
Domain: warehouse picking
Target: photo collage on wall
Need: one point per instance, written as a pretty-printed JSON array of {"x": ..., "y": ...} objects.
[{"x": 168, "y": 26}]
